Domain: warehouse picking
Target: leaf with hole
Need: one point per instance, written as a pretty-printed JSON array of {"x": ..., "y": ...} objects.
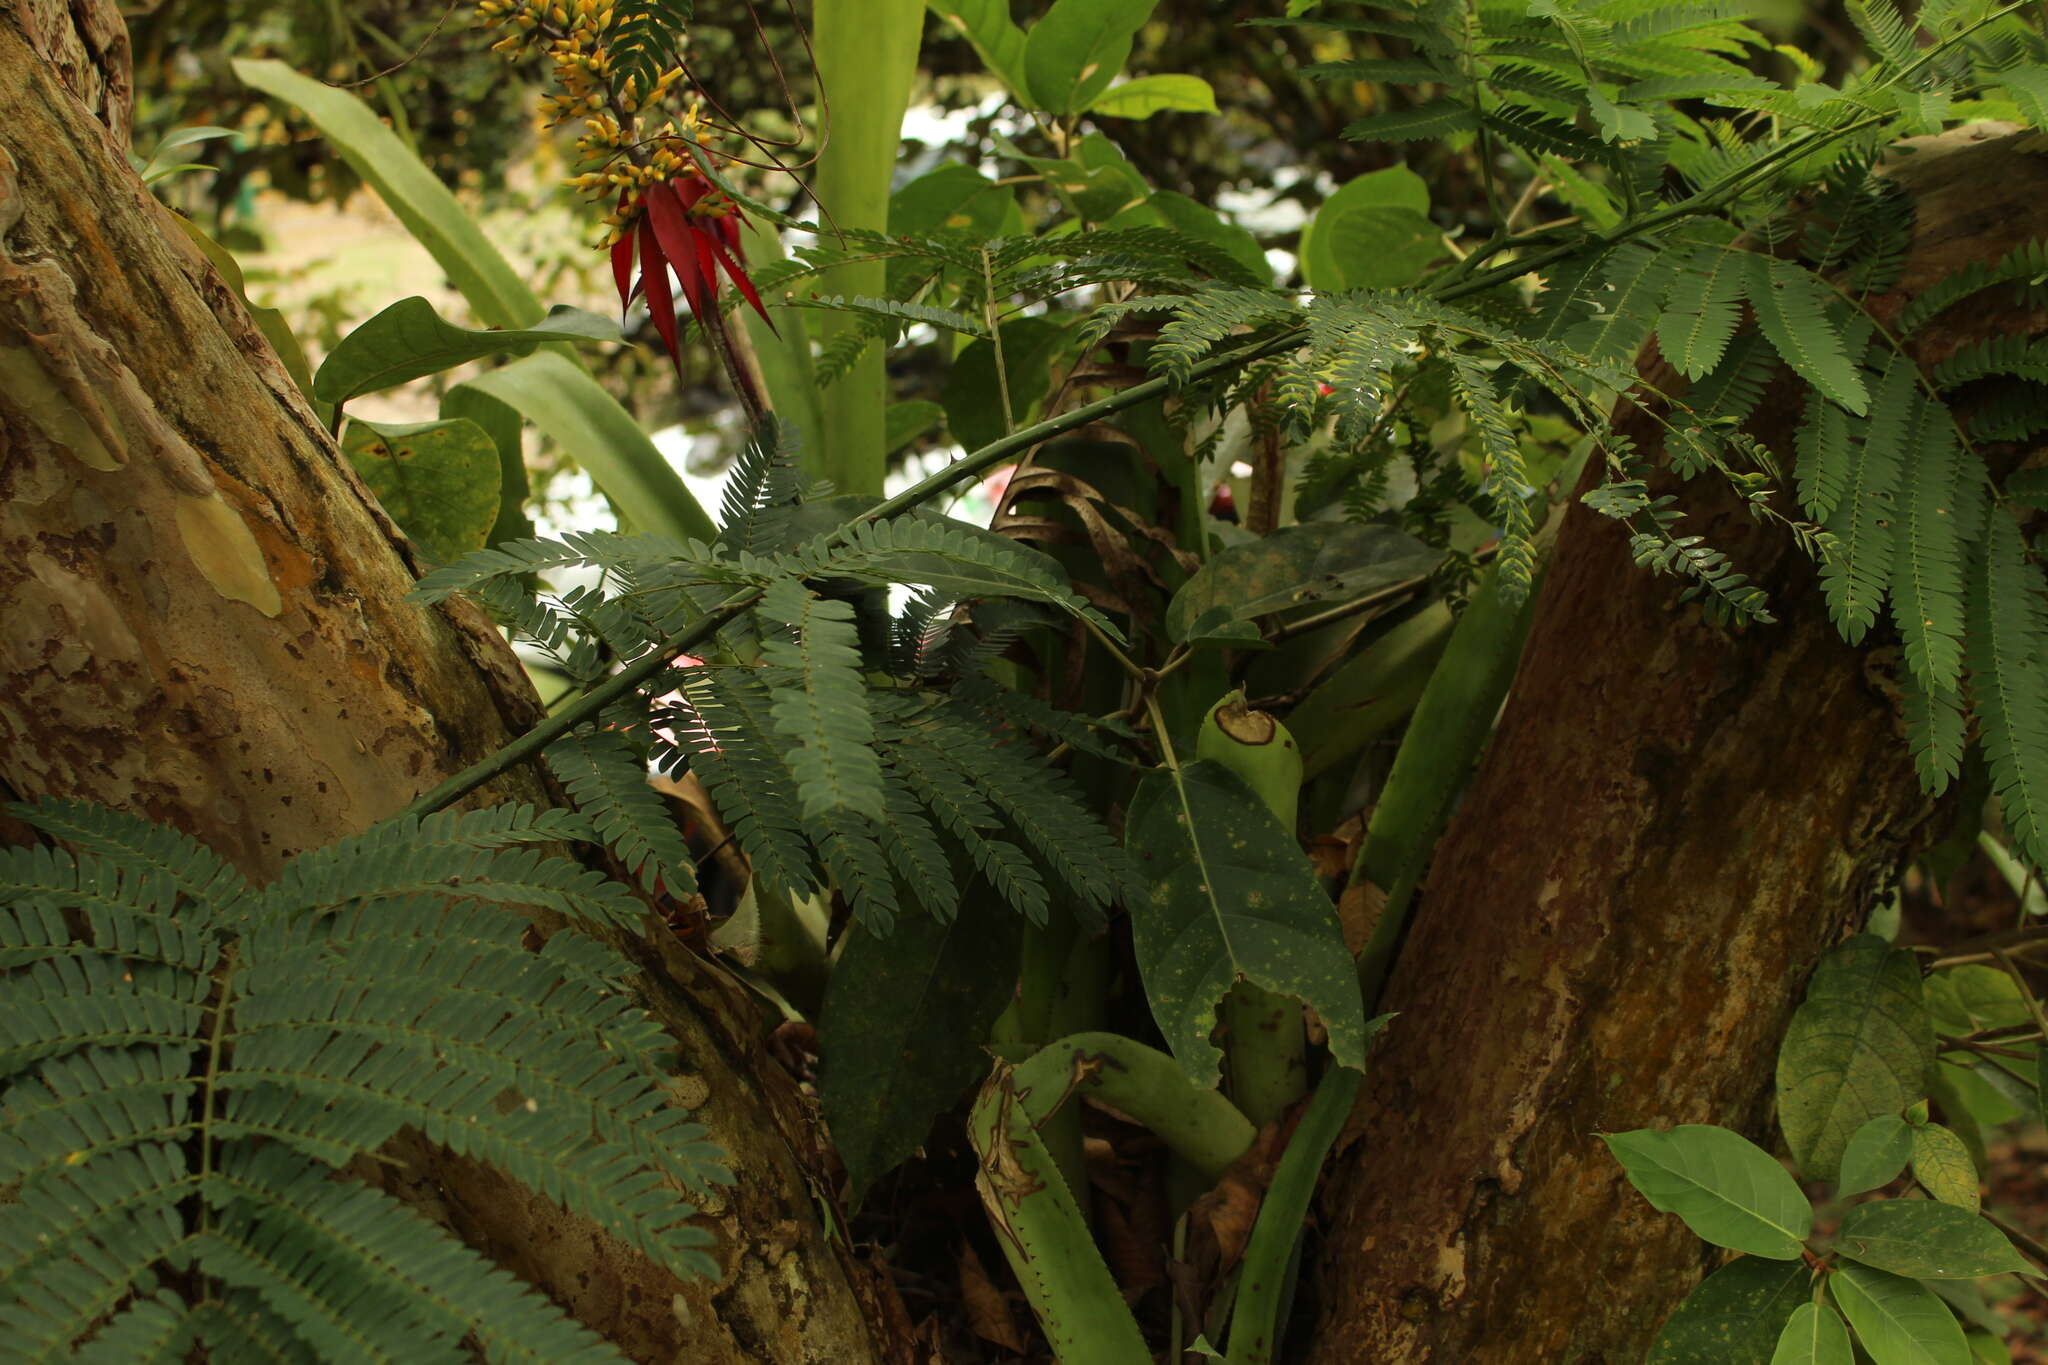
[{"x": 1226, "y": 895}]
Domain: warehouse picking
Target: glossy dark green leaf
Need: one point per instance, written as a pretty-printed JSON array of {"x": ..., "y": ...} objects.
[
  {"x": 1899, "y": 1321},
  {"x": 901, "y": 1036},
  {"x": 410, "y": 340},
  {"x": 1726, "y": 1188},
  {"x": 438, "y": 480},
  {"x": 1926, "y": 1240},
  {"x": 1859, "y": 1046},
  {"x": 1876, "y": 1153},
  {"x": 1226, "y": 895},
  {"x": 995, "y": 36},
  {"x": 1377, "y": 246},
  {"x": 1736, "y": 1315},
  {"x": 1322, "y": 561},
  {"x": 973, "y": 398}
]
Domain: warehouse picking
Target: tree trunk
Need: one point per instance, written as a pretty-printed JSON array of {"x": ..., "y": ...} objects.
[
  {"x": 204, "y": 625},
  {"x": 1671, "y": 823}
]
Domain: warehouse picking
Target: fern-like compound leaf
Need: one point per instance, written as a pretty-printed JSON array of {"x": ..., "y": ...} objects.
[
  {"x": 607, "y": 779},
  {"x": 1858, "y": 570},
  {"x": 823, "y": 711},
  {"x": 2007, "y": 654},
  {"x": 1791, "y": 308}
]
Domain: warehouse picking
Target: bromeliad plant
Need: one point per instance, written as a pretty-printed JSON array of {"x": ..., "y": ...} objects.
[{"x": 902, "y": 780}]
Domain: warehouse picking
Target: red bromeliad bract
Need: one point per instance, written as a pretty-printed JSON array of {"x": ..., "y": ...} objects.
[{"x": 677, "y": 230}]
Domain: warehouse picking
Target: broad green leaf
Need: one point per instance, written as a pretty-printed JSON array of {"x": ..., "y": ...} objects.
[
  {"x": 1380, "y": 247},
  {"x": 1966, "y": 1297},
  {"x": 1859, "y": 1046},
  {"x": 1319, "y": 561},
  {"x": 502, "y": 424},
  {"x": 1227, "y": 896},
  {"x": 1372, "y": 692},
  {"x": 1899, "y": 1321},
  {"x": 1397, "y": 187},
  {"x": 575, "y": 412},
  {"x": 908, "y": 421},
  {"x": 1199, "y": 220},
  {"x": 996, "y": 39},
  {"x": 1942, "y": 1165},
  {"x": 1726, "y": 1188},
  {"x": 950, "y": 198},
  {"x": 449, "y": 233},
  {"x": 1814, "y": 1336},
  {"x": 905, "y": 1019},
  {"x": 1986, "y": 1349},
  {"x": 972, "y": 397},
  {"x": 1078, "y": 48},
  {"x": 1926, "y": 1240},
  {"x": 1736, "y": 1316},
  {"x": 1971, "y": 997},
  {"x": 438, "y": 480},
  {"x": 410, "y": 339},
  {"x": 1876, "y": 1153},
  {"x": 1149, "y": 95},
  {"x": 1982, "y": 1101}
]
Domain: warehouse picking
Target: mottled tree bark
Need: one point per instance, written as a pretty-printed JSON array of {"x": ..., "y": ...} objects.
[
  {"x": 1671, "y": 823},
  {"x": 204, "y": 624}
]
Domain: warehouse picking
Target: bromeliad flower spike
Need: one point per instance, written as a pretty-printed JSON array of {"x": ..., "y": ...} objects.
[
  {"x": 687, "y": 226},
  {"x": 617, "y": 69}
]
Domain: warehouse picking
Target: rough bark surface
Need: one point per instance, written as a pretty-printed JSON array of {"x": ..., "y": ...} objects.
[
  {"x": 204, "y": 624},
  {"x": 1671, "y": 823}
]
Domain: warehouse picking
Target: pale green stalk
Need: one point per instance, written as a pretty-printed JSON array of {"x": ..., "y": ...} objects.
[{"x": 867, "y": 59}]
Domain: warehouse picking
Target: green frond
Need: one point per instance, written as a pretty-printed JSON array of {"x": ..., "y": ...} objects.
[
  {"x": 942, "y": 788},
  {"x": 892, "y": 313},
  {"x": 238, "y": 1328},
  {"x": 2012, "y": 413},
  {"x": 281, "y": 1205},
  {"x": 132, "y": 844},
  {"x": 1731, "y": 393},
  {"x": 1206, "y": 316},
  {"x": 607, "y": 778},
  {"x": 1791, "y": 307},
  {"x": 1001, "y": 707},
  {"x": 2025, "y": 265},
  {"x": 74, "y": 1109},
  {"x": 1935, "y": 733},
  {"x": 849, "y": 844},
  {"x": 2017, "y": 356},
  {"x": 823, "y": 711},
  {"x": 1887, "y": 32},
  {"x": 1434, "y": 120},
  {"x": 765, "y": 478},
  {"x": 1036, "y": 800},
  {"x": 65, "y": 1004},
  {"x": 145, "y": 1332},
  {"x": 730, "y": 737},
  {"x": 2007, "y": 655},
  {"x": 1939, "y": 501},
  {"x": 1635, "y": 277},
  {"x": 914, "y": 851},
  {"x": 386, "y": 863},
  {"x": 1509, "y": 491},
  {"x": 1826, "y": 440},
  {"x": 1859, "y": 568},
  {"x": 600, "y": 549}
]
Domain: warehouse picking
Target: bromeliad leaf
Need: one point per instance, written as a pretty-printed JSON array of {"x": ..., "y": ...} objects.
[
  {"x": 1320, "y": 561},
  {"x": 1725, "y": 1187},
  {"x": 1228, "y": 897},
  {"x": 1814, "y": 1336},
  {"x": 1926, "y": 1240},
  {"x": 1899, "y": 1321},
  {"x": 1736, "y": 1316},
  {"x": 1860, "y": 1046},
  {"x": 410, "y": 340}
]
